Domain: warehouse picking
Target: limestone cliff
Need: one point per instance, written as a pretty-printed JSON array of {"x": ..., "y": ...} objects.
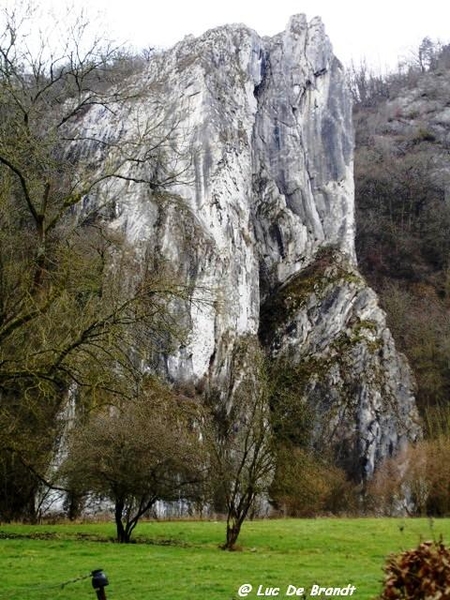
[{"x": 259, "y": 221}]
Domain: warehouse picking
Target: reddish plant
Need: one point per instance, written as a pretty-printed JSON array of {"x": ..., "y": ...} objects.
[{"x": 419, "y": 574}]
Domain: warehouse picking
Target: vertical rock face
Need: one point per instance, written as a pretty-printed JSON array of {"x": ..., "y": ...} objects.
[{"x": 260, "y": 223}]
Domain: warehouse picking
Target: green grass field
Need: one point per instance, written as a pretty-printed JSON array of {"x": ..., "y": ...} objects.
[{"x": 182, "y": 560}]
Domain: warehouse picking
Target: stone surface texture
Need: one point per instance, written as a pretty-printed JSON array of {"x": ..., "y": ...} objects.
[{"x": 258, "y": 218}]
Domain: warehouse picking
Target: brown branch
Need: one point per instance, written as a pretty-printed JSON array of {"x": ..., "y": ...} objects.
[
  {"x": 23, "y": 185},
  {"x": 32, "y": 470}
]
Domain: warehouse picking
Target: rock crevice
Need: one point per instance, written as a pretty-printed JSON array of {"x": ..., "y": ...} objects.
[{"x": 266, "y": 238}]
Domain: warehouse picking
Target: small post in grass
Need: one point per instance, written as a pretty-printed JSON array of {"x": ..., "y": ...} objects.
[{"x": 99, "y": 582}]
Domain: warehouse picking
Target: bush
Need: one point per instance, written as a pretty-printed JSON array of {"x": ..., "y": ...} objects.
[
  {"x": 416, "y": 481},
  {"x": 307, "y": 486},
  {"x": 419, "y": 574}
]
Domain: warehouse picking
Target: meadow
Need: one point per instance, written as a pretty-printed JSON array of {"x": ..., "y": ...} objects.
[{"x": 181, "y": 560}]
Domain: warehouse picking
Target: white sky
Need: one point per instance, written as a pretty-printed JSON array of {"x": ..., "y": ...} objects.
[{"x": 380, "y": 31}]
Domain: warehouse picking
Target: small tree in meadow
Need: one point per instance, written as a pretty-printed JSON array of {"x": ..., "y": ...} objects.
[
  {"x": 145, "y": 450},
  {"x": 241, "y": 442}
]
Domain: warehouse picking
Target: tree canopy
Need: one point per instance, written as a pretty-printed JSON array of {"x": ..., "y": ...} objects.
[{"x": 79, "y": 314}]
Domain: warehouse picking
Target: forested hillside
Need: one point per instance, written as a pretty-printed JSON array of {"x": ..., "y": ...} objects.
[
  {"x": 402, "y": 185},
  {"x": 402, "y": 180}
]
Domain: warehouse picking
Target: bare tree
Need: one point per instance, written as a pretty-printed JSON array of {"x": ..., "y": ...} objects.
[
  {"x": 367, "y": 87},
  {"x": 77, "y": 309},
  {"x": 145, "y": 450},
  {"x": 242, "y": 449}
]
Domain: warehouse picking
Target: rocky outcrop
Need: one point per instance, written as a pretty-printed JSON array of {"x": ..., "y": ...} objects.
[
  {"x": 259, "y": 221},
  {"x": 329, "y": 340}
]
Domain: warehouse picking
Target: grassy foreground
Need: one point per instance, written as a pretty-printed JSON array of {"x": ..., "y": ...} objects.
[{"x": 181, "y": 560}]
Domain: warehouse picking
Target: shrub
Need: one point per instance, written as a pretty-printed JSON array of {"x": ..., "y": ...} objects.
[
  {"x": 306, "y": 486},
  {"x": 419, "y": 574},
  {"x": 416, "y": 481}
]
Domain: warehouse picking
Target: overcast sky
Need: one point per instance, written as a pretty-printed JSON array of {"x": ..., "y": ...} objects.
[{"x": 380, "y": 31}]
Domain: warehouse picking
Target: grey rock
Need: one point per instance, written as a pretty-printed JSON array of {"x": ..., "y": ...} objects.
[{"x": 260, "y": 223}]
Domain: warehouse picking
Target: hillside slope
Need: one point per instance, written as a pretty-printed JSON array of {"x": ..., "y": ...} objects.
[{"x": 402, "y": 178}]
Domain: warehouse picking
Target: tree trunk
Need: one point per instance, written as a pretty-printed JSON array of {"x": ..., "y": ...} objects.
[
  {"x": 17, "y": 492},
  {"x": 74, "y": 504},
  {"x": 233, "y": 530},
  {"x": 123, "y": 536}
]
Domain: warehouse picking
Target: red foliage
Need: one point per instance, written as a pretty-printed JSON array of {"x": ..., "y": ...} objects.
[{"x": 419, "y": 574}]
